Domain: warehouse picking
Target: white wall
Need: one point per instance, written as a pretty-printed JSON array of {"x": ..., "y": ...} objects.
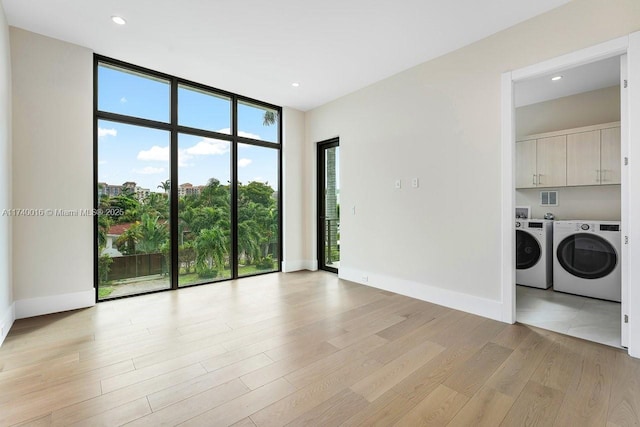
[
  {"x": 6, "y": 294},
  {"x": 52, "y": 168},
  {"x": 441, "y": 122},
  {"x": 293, "y": 173},
  {"x": 593, "y": 202},
  {"x": 584, "y": 109}
]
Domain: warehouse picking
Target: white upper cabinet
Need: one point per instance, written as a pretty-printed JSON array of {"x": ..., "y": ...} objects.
[
  {"x": 583, "y": 156},
  {"x": 526, "y": 172},
  {"x": 610, "y": 160},
  {"x": 552, "y": 161},
  {"x": 541, "y": 162}
]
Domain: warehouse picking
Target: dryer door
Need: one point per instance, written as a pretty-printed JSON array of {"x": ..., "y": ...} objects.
[
  {"x": 587, "y": 256},
  {"x": 528, "y": 250}
]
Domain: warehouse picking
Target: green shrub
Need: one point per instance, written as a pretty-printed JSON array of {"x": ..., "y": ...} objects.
[
  {"x": 104, "y": 266},
  {"x": 207, "y": 273},
  {"x": 265, "y": 263}
]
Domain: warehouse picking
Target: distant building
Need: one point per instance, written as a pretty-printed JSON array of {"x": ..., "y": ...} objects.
[
  {"x": 142, "y": 193},
  {"x": 187, "y": 189},
  {"x": 116, "y": 190}
]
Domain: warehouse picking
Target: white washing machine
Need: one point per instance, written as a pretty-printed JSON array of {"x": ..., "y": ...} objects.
[
  {"x": 534, "y": 252},
  {"x": 587, "y": 258}
]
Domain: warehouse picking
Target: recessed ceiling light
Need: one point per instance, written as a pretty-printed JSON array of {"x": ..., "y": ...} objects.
[
  {"x": 556, "y": 78},
  {"x": 118, "y": 20},
  {"x": 295, "y": 84}
]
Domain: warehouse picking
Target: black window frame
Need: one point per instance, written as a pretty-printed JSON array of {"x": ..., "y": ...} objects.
[{"x": 175, "y": 130}]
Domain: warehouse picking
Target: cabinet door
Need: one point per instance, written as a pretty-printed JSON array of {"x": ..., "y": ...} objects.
[
  {"x": 526, "y": 164},
  {"x": 551, "y": 160},
  {"x": 583, "y": 158},
  {"x": 610, "y": 156}
]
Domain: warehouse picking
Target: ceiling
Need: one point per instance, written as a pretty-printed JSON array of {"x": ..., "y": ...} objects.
[
  {"x": 585, "y": 78},
  {"x": 258, "y": 48}
]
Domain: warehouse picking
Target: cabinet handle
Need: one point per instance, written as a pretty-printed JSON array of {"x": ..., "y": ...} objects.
[
  {"x": 534, "y": 179},
  {"x": 598, "y": 176},
  {"x": 539, "y": 179}
]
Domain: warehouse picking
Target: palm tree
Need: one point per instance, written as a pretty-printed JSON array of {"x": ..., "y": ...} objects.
[
  {"x": 249, "y": 240},
  {"x": 270, "y": 117},
  {"x": 165, "y": 185},
  {"x": 211, "y": 246},
  {"x": 153, "y": 234}
]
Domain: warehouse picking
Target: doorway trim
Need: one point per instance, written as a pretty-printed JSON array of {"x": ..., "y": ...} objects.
[{"x": 629, "y": 45}]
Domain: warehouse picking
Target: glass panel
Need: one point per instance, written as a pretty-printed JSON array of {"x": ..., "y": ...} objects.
[
  {"x": 133, "y": 94},
  {"x": 204, "y": 214},
  {"x": 587, "y": 256},
  {"x": 332, "y": 207},
  {"x": 258, "y": 233},
  {"x": 204, "y": 110},
  {"x": 528, "y": 250},
  {"x": 133, "y": 221},
  {"x": 257, "y": 122}
]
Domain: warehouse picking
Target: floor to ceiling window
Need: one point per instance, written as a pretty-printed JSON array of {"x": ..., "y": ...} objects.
[{"x": 187, "y": 181}]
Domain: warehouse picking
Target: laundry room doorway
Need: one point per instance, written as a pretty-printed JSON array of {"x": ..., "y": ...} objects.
[{"x": 566, "y": 135}]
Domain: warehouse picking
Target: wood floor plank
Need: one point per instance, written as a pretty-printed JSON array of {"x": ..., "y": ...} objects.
[
  {"x": 383, "y": 412},
  {"x": 241, "y": 407},
  {"x": 275, "y": 370},
  {"x": 192, "y": 406},
  {"x": 45, "y": 401},
  {"x": 537, "y": 405},
  {"x": 487, "y": 407},
  {"x": 317, "y": 370},
  {"x": 175, "y": 393},
  {"x": 624, "y": 402},
  {"x": 74, "y": 412},
  {"x": 586, "y": 401},
  {"x": 557, "y": 368},
  {"x": 512, "y": 376},
  {"x": 473, "y": 374},
  {"x": 119, "y": 415},
  {"x": 437, "y": 409},
  {"x": 332, "y": 412},
  {"x": 307, "y": 398},
  {"x": 382, "y": 380}
]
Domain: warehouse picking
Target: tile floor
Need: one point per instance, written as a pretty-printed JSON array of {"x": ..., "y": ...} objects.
[{"x": 587, "y": 318}]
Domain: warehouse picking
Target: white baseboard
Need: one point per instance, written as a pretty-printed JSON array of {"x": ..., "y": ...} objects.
[
  {"x": 6, "y": 322},
  {"x": 54, "y": 304},
  {"x": 452, "y": 299},
  {"x": 299, "y": 264}
]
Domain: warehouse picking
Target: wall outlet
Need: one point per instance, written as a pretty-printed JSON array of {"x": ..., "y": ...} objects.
[
  {"x": 365, "y": 279},
  {"x": 415, "y": 183},
  {"x": 398, "y": 183}
]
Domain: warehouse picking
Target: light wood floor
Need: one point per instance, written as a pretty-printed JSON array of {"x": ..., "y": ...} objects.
[{"x": 304, "y": 349}]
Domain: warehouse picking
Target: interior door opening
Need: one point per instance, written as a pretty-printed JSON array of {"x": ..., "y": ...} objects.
[
  {"x": 329, "y": 205},
  {"x": 571, "y": 141}
]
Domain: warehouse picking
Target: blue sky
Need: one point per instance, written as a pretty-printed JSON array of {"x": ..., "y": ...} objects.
[{"x": 131, "y": 153}]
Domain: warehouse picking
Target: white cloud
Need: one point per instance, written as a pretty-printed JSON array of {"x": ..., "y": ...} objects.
[
  {"x": 244, "y": 162},
  {"x": 148, "y": 170},
  {"x": 240, "y": 133},
  {"x": 161, "y": 154},
  {"x": 102, "y": 162},
  {"x": 106, "y": 132},
  {"x": 155, "y": 153},
  {"x": 207, "y": 146},
  {"x": 123, "y": 100}
]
